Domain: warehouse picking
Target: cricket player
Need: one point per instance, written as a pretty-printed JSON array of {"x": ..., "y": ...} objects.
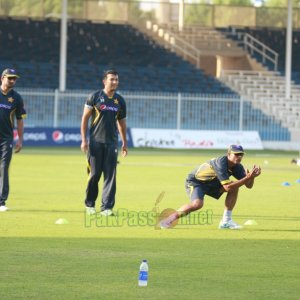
[
  {"x": 11, "y": 108},
  {"x": 107, "y": 110},
  {"x": 212, "y": 178}
]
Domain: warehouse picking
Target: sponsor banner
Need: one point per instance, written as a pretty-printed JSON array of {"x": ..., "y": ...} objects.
[
  {"x": 194, "y": 139},
  {"x": 55, "y": 137}
]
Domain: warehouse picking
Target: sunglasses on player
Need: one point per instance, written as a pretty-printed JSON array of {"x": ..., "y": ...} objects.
[
  {"x": 238, "y": 154},
  {"x": 12, "y": 78}
]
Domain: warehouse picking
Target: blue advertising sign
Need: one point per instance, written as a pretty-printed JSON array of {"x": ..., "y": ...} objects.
[{"x": 56, "y": 137}]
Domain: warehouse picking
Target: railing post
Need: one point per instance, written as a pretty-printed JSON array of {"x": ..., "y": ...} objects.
[
  {"x": 55, "y": 114},
  {"x": 245, "y": 41},
  {"x": 241, "y": 114},
  {"x": 178, "y": 122},
  {"x": 255, "y": 46}
]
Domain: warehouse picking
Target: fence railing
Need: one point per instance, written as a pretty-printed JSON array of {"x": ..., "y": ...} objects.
[
  {"x": 174, "y": 43},
  {"x": 51, "y": 108},
  {"x": 254, "y": 46}
]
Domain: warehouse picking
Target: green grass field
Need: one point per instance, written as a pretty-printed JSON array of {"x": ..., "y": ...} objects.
[{"x": 87, "y": 259}]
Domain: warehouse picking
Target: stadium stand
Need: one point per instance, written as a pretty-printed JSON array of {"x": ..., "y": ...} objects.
[
  {"x": 266, "y": 89},
  {"x": 215, "y": 42},
  {"x": 32, "y": 47},
  {"x": 275, "y": 38}
]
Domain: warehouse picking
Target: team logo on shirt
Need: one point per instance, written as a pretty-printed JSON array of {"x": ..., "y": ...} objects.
[
  {"x": 116, "y": 101},
  {"x": 106, "y": 107},
  {"x": 101, "y": 99},
  {"x": 5, "y": 106},
  {"x": 10, "y": 99}
]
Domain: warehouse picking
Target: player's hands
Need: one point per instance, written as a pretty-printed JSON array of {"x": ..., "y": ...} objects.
[
  {"x": 256, "y": 171},
  {"x": 84, "y": 146},
  {"x": 18, "y": 147},
  {"x": 124, "y": 151}
]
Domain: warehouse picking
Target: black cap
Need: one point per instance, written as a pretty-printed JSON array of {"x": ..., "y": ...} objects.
[
  {"x": 9, "y": 73},
  {"x": 236, "y": 149}
]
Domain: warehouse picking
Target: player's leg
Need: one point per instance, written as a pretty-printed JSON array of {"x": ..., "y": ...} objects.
[
  {"x": 188, "y": 208},
  {"x": 95, "y": 161},
  {"x": 6, "y": 155},
  {"x": 196, "y": 196},
  {"x": 109, "y": 183},
  {"x": 230, "y": 202},
  {"x": 231, "y": 199}
]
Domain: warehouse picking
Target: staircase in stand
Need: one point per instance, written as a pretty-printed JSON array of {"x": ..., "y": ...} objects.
[{"x": 266, "y": 91}]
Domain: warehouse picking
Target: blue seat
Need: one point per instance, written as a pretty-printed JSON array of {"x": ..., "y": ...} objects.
[{"x": 94, "y": 47}]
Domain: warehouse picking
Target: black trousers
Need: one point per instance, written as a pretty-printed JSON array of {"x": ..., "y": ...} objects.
[
  {"x": 102, "y": 159},
  {"x": 6, "y": 147}
]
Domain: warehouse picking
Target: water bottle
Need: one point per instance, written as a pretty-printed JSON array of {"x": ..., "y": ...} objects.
[{"x": 143, "y": 274}]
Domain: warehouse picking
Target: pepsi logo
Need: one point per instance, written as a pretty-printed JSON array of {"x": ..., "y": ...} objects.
[
  {"x": 57, "y": 136},
  {"x": 106, "y": 107}
]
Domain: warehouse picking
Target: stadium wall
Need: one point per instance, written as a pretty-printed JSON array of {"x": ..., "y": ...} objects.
[
  {"x": 152, "y": 138},
  {"x": 156, "y": 138},
  {"x": 157, "y": 110},
  {"x": 162, "y": 12}
]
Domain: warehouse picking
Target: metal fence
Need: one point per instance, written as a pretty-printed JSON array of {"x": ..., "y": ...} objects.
[{"x": 51, "y": 108}]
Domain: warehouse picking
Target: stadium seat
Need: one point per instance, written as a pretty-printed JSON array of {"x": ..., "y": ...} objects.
[{"x": 143, "y": 65}]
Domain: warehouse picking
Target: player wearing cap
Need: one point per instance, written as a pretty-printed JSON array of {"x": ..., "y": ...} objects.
[
  {"x": 212, "y": 178},
  {"x": 11, "y": 107},
  {"x": 107, "y": 110}
]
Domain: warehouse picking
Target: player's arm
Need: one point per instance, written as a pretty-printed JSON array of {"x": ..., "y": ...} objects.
[
  {"x": 20, "y": 115},
  {"x": 20, "y": 130},
  {"x": 122, "y": 127},
  {"x": 87, "y": 112},
  {"x": 248, "y": 180}
]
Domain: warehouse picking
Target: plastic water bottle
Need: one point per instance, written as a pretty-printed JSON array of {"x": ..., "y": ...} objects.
[{"x": 143, "y": 274}]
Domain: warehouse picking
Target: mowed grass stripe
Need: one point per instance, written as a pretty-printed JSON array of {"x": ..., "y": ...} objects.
[{"x": 41, "y": 260}]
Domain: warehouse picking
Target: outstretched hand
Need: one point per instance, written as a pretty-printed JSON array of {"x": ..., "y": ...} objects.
[{"x": 256, "y": 171}]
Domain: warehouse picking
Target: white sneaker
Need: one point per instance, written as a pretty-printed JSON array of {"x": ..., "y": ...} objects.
[
  {"x": 3, "y": 208},
  {"x": 107, "y": 213},
  {"x": 164, "y": 225},
  {"x": 229, "y": 225},
  {"x": 90, "y": 210}
]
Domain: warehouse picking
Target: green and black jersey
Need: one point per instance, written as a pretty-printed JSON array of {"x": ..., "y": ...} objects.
[
  {"x": 216, "y": 171},
  {"x": 11, "y": 107},
  {"x": 106, "y": 112}
]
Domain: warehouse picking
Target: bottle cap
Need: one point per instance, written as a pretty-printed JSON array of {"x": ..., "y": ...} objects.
[{"x": 144, "y": 260}]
